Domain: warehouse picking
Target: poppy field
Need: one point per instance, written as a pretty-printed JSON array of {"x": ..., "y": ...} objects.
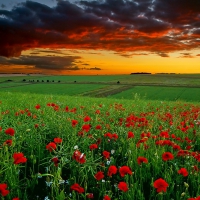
[{"x": 60, "y": 148}]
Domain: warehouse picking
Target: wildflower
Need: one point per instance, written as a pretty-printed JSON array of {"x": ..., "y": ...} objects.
[
  {"x": 76, "y": 187},
  {"x": 106, "y": 197},
  {"x": 112, "y": 151},
  {"x": 57, "y": 140},
  {"x": 167, "y": 156},
  {"x": 112, "y": 170},
  {"x": 86, "y": 127},
  {"x": 37, "y": 106},
  {"x": 183, "y": 171},
  {"x": 19, "y": 158},
  {"x": 130, "y": 134},
  {"x": 56, "y": 161},
  {"x": 161, "y": 185},
  {"x": 3, "y": 189},
  {"x": 51, "y": 146},
  {"x": 106, "y": 154},
  {"x": 93, "y": 146},
  {"x": 141, "y": 160},
  {"x": 10, "y": 131},
  {"x": 74, "y": 122},
  {"x": 79, "y": 157},
  {"x": 16, "y": 198},
  {"x": 125, "y": 170},
  {"x": 123, "y": 186},
  {"x": 90, "y": 196},
  {"x": 87, "y": 118},
  {"x": 99, "y": 175},
  {"x": 8, "y": 142},
  {"x": 98, "y": 127},
  {"x": 114, "y": 136}
]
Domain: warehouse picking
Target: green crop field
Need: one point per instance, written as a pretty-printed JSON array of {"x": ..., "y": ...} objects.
[
  {"x": 171, "y": 87},
  {"x": 160, "y": 93},
  {"x": 62, "y": 89}
]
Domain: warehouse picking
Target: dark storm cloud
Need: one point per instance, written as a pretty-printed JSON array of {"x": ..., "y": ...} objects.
[
  {"x": 162, "y": 54},
  {"x": 3, "y": 6},
  {"x": 118, "y": 25},
  {"x": 186, "y": 55},
  {"x": 43, "y": 62},
  {"x": 94, "y": 68}
]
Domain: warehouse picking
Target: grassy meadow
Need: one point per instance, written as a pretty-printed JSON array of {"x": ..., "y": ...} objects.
[
  {"x": 171, "y": 87},
  {"x": 66, "y": 145}
]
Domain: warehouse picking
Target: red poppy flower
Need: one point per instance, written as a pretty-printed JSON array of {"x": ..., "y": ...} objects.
[
  {"x": 19, "y": 158},
  {"x": 79, "y": 157},
  {"x": 130, "y": 134},
  {"x": 164, "y": 134},
  {"x": 8, "y": 142},
  {"x": 167, "y": 156},
  {"x": 90, "y": 196},
  {"x": 86, "y": 127},
  {"x": 76, "y": 187},
  {"x": 112, "y": 170},
  {"x": 3, "y": 190},
  {"x": 141, "y": 160},
  {"x": 124, "y": 170},
  {"x": 160, "y": 185},
  {"x": 74, "y": 122},
  {"x": 183, "y": 171},
  {"x": 57, "y": 140},
  {"x": 123, "y": 186},
  {"x": 16, "y": 198},
  {"x": 106, "y": 197},
  {"x": 10, "y": 131},
  {"x": 99, "y": 175},
  {"x": 98, "y": 127},
  {"x": 108, "y": 135},
  {"x": 93, "y": 146},
  {"x": 51, "y": 146},
  {"x": 87, "y": 118},
  {"x": 97, "y": 111},
  {"x": 114, "y": 136},
  {"x": 56, "y": 161},
  {"x": 106, "y": 154},
  {"x": 37, "y": 106}
]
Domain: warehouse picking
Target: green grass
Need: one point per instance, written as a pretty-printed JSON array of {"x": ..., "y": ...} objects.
[
  {"x": 157, "y": 127},
  {"x": 160, "y": 93},
  {"x": 60, "y": 89}
]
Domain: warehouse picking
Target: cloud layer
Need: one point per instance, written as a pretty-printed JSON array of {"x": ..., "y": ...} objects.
[{"x": 159, "y": 26}]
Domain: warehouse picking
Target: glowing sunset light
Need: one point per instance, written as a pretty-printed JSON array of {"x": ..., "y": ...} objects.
[{"x": 99, "y": 37}]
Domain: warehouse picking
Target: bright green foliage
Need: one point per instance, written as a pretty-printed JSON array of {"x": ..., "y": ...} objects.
[{"x": 127, "y": 130}]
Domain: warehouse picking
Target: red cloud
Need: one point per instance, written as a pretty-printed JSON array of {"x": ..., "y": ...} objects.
[{"x": 122, "y": 26}]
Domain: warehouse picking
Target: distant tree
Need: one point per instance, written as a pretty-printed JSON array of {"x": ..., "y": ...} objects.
[
  {"x": 42, "y": 80},
  {"x": 58, "y": 81},
  {"x": 53, "y": 81},
  {"x": 118, "y": 82},
  {"x": 38, "y": 81},
  {"x": 47, "y": 80},
  {"x": 74, "y": 81},
  {"x": 24, "y": 80},
  {"x": 9, "y": 80}
]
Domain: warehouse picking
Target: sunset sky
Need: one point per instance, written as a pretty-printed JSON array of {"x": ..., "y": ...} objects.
[{"x": 99, "y": 36}]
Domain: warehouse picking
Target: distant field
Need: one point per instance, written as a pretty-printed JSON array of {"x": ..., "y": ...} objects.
[
  {"x": 149, "y": 86},
  {"x": 163, "y": 79},
  {"x": 60, "y": 89},
  {"x": 160, "y": 93}
]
